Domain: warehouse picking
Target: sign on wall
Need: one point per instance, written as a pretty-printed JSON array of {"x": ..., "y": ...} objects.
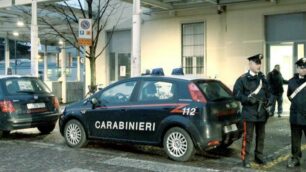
[{"x": 85, "y": 32}]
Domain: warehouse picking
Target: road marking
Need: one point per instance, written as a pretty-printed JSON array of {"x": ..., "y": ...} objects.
[
  {"x": 154, "y": 166},
  {"x": 278, "y": 160}
]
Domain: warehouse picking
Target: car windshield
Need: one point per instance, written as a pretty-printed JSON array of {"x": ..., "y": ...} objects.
[
  {"x": 25, "y": 86},
  {"x": 214, "y": 90}
]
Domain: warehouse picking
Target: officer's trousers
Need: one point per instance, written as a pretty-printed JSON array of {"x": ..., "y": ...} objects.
[
  {"x": 248, "y": 130},
  {"x": 296, "y": 135}
]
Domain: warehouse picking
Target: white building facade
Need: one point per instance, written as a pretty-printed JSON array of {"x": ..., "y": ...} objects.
[{"x": 209, "y": 44}]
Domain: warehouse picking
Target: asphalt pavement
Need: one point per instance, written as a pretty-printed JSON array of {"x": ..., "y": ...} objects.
[{"x": 28, "y": 150}]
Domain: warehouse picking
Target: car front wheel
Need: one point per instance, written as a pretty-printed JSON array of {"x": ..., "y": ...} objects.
[
  {"x": 178, "y": 144},
  {"x": 46, "y": 129},
  {"x": 74, "y": 134}
]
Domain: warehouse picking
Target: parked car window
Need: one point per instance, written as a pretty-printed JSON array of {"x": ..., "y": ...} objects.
[
  {"x": 118, "y": 94},
  {"x": 214, "y": 91},
  {"x": 156, "y": 90},
  {"x": 25, "y": 85}
]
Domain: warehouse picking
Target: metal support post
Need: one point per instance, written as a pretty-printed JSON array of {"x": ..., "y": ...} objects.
[
  {"x": 34, "y": 40},
  {"x": 136, "y": 51}
]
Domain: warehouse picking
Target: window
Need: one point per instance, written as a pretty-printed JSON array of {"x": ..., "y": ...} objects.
[
  {"x": 156, "y": 90},
  {"x": 118, "y": 94},
  {"x": 193, "y": 48},
  {"x": 25, "y": 85},
  {"x": 214, "y": 90}
]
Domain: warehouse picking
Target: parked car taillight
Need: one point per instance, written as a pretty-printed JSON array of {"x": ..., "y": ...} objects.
[
  {"x": 7, "y": 106},
  {"x": 56, "y": 103},
  {"x": 196, "y": 94}
]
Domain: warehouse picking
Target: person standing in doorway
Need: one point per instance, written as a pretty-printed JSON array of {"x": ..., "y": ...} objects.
[
  {"x": 297, "y": 95},
  {"x": 252, "y": 90},
  {"x": 276, "y": 81}
]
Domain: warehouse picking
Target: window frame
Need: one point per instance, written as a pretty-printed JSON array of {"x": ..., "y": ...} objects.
[
  {"x": 173, "y": 99},
  {"x": 131, "y": 99},
  {"x": 194, "y": 68}
]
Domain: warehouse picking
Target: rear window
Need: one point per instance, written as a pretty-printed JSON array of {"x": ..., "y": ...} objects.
[
  {"x": 25, "y": 86},
  {"x": 214, "y": 90}
]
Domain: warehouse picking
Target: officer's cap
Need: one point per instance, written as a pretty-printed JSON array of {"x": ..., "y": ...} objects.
[
  {"x": 256, "y": 58},
  {"x": 301, "y": 62}
]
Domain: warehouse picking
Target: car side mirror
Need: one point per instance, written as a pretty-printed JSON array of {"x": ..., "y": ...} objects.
[{"x": 94, "y": 101}]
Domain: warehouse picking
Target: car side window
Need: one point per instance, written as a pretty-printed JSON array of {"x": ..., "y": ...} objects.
[
  {"x": 118, "y": 94},
  {"x": 156, "y": 91}
]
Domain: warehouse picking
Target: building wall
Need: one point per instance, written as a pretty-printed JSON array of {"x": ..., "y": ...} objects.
[
  {"x": 230, "y": 38},
  {"x": 121, "y": 19}
]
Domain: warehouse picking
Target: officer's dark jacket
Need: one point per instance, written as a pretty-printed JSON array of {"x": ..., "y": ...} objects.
[
  {"x": 245, "y": 85},
  {"x": 276, "y": 81},
  {"x": 298, "y": 103}
]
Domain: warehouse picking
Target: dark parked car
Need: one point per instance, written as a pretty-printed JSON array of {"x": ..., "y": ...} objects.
[
  {"x": 26, "y": 102},
  {"x": 177, "y": 113}
]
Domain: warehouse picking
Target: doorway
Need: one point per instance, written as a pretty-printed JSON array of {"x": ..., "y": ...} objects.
[
  {"x": 119, "y": 55},
  {"x": 285, "y": 54},
  {"x": 120, "y": 66}
]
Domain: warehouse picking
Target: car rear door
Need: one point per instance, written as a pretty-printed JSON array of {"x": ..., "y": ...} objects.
[{"x": 108, "y": 119}]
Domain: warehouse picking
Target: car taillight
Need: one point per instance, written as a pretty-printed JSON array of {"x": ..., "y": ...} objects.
[
  {"x": 7, "y": 106},
  {"x": 196, "y": 94},
  {"x": 56, "y": 103}
]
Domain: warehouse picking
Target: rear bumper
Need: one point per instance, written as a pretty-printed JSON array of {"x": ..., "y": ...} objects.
[
  {"x": 213, "y": 135},
  {"x": 34, "y": 121}
]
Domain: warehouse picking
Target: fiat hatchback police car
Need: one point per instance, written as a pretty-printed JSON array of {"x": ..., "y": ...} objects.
[
  {"x": 178, "y": 113},
  {"x": 26, "y": 102}
]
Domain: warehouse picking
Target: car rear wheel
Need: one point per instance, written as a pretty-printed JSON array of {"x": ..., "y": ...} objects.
[
  {"x": 74, "y": 134},
  {"x": 178, "y": 144},
  {"x": 46, "y": 129}
]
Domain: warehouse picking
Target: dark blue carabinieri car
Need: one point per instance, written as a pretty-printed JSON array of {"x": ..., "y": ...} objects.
[{"x": 178, "y": 113}]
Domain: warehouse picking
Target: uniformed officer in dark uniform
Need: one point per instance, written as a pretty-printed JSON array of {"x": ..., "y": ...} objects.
[
  {"x": 252, "y": 90},
  {"x": 297, "y": 95}
]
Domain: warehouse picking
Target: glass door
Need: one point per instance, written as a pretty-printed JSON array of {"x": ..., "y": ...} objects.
[
  {"x": 119, "y": 66},
  {"x": 285, "y": 54}
]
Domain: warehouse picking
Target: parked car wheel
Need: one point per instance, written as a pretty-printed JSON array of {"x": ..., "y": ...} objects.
[
  {"x": 74, "y": 134},
  {"x": 178, "y": 144},
  {"x": 46, "y": 129}
]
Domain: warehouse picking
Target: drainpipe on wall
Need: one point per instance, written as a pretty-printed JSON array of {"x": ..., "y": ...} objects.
[
  {"x": 34, "y": 40},
  {"x": 136, "y": 31}
]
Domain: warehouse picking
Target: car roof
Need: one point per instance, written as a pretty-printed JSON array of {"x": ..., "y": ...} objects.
[
  {"x": 177, "y": 77},
  {"x": 15, "y": 76}
]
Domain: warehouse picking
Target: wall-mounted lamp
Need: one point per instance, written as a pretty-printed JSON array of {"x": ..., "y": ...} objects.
[{"x": 221, "y": 9}]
